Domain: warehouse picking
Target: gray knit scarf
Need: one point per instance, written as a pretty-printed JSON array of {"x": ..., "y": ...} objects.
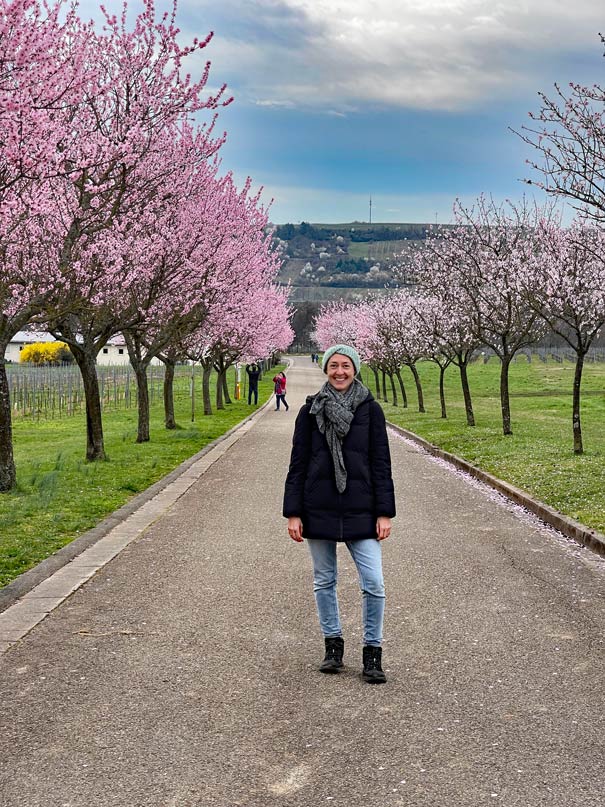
[{"x": 334, "y": 412}]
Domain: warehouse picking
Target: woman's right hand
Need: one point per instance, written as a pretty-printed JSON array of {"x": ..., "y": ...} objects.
[{"x": 295, "y": 527}]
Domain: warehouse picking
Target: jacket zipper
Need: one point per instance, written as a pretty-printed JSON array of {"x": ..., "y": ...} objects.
[{"x": 340, "y": 519}]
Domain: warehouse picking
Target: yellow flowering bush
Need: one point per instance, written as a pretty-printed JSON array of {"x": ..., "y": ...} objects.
[{"x": 45, "y": 353}]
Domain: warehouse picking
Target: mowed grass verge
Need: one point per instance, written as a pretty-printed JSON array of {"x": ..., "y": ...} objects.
[
  {"x": 538, "y": 457},
  {"x": 59, "y": 495}
]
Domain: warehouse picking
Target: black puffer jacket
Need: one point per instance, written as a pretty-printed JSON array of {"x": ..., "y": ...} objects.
[{"x": 311, "y": 490}]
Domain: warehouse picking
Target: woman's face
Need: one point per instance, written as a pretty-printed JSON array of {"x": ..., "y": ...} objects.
[{"x": 341, "y": 372}]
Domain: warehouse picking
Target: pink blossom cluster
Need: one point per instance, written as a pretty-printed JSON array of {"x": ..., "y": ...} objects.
[
  {"x": 114, "y": 216},
  {"x": 501, "y": 277}
]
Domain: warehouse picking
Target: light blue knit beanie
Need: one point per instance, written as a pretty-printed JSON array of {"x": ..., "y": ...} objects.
[{"x": 344, "y": 350}]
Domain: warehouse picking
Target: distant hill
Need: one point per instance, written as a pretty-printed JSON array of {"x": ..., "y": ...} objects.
[
  {"x": 356, "y": 231},
  {"x": 327, "y": 261},
  {"x": 323, "y": 262}
]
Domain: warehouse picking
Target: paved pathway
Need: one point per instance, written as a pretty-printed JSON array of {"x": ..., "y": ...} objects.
[{"x": 183, "y": 673}]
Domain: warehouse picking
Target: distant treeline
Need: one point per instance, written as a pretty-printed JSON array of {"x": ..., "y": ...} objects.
[
  {"x": 357, "y": 231},
  {"x": 351, "y": 265}
]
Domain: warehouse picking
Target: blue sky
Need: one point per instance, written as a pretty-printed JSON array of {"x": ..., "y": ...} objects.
[{"x": 407, "y": 100}]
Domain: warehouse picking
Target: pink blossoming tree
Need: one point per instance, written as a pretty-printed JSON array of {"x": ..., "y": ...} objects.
[{"x": 565, "y": 285}]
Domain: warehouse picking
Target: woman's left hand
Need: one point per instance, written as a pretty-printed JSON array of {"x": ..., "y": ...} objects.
[{"x": 383, "y": 527}]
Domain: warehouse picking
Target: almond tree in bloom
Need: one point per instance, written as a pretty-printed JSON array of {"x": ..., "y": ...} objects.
[
  {"x": 43, "y": 58},
  {"x": 341, "y": 322},
  {"x": 379, "y": 351},
  {"x": 568, "y": 131},
  {"x": 335, "y": 324},
  {"x": 401, "y": 329},
  {"x": 437, "y": 324},
  {"x": 375, "y": 353},
  {"x": 565, "y": 285},
  {"x": 256, "y": 328},
  {"x": 136, "y": 104},
  {"x": 486, "y": 251},
  {"x": 43, "y": 51},
  {"x": 269, "y": 326},
  {"x": 370, "y": 348},
  {"x": 246, "y": 314},
  {"x": 228, "y": 240},
  {"x": 209, "y": 237},
  {"x": 259, "y": 330},
  {"x": 451, "y": 316},
  {"x": 353, "y": 324},
  {"x": 234, "y": 324}
]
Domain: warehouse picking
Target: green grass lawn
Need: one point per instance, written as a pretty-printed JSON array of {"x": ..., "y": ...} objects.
[
  {"x": 539, "y": 456},
  {"x": 59, "y": 495}
]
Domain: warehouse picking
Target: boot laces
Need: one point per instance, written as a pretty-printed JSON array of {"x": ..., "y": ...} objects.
[
  {"x": 332, "y": 651},
  {"x": 372, "y": 661}
]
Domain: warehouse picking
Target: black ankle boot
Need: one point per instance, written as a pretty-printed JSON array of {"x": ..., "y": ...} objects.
[
  {"x": 372, "y": 665},
  {"x": 335, "y": 648}
]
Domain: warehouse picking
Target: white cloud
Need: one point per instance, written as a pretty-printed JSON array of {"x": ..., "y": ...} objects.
[
  {"x": 444, "y": 54},
  {"x": 270, "y": 103}
]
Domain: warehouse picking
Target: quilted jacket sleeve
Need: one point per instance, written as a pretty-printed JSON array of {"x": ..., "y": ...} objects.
[
  {"x": 299, "y": 461},
  {"x": 380, "y": 461}
]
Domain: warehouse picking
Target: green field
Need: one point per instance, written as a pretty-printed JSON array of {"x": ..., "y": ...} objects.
[
  {"x": 60, "y": 496},
  {"x": 376, "y": 250},
  {"x": 539, "y": 456}
]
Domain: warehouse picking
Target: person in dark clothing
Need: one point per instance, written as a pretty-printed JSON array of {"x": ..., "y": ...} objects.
[
  {"x": 253, "y": 371},
  {"x": 339, "y": 488}
]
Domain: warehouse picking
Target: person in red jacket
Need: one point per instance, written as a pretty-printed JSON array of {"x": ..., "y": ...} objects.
[{"x": 280, "y": 390}]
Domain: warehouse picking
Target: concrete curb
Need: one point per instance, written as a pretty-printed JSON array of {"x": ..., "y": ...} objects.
[
  {"x": 568, "y": 526},
  {"x": 30, "y": 579}
]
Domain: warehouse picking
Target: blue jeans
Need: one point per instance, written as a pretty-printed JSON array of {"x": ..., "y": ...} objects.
[{"x": 367, "y": 555}]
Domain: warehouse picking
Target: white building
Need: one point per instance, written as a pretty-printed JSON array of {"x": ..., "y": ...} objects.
[
  {"x": 114, "y": 352},
  {"x": 23, "y": 338}
]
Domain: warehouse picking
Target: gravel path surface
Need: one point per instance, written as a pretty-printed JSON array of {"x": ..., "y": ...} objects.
[{"x": 185, "y": 671}]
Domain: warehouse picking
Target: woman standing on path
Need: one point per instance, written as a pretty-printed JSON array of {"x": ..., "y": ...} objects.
[
  {"x": 339, "y": 489},
  {"x": 280, "y": 390}
]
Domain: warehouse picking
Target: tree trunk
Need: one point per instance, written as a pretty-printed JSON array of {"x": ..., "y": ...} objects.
[
  {"x": 206, "y": 374},
  {"x": 578, "y": 448},
  {"x": 219, "y": 390},
  {"x": 87, "y": 362},
  {"x": 418, "y": 388},
  {"x": 504, "y": 395},
  {"x": 384, "y": 387},
  {"x": 404, "y": 396},
  {"x": 139, "y": 362},
  {"x": 442, "y": 370},
  {"x": 377, "y": 382},
  {"x": 392, "y": 380},
  {"x": 8, "y": 473},
  {"x": 169, "y": 420},
  {"x": 140, "y": 372},
  {"x": 226, "y": 387},
  {"x": 466, "y": 391}
]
